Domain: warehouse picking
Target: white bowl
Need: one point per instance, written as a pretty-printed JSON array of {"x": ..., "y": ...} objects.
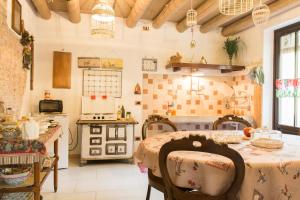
[{"x": 15, "y": 179}]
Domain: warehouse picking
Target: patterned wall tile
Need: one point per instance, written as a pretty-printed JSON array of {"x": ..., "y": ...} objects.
[{"x": 159, "y": 90}]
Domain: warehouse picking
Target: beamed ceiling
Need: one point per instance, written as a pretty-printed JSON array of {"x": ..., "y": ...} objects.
[{"x": 161, "y": 11}]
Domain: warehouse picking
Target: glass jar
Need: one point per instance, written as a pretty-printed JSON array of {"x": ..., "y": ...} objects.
[
  {"x": 47, "y": 95},
  {"x": 128, "y": 115}
]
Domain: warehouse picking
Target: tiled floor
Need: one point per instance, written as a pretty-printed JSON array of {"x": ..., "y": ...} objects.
[{"x": 100, "y": 181}]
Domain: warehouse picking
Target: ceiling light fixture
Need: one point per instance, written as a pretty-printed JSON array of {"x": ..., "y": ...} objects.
[
  {"x": 235, "y": 7},
  {"x": 261, "y": 14},
  {"x": 103, "y": 19},
  {"x": 191, "y": 21},
  {"x": 191, "y": 16}
]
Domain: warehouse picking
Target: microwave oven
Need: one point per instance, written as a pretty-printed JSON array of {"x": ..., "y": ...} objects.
[{"x": 50, "y": 106}]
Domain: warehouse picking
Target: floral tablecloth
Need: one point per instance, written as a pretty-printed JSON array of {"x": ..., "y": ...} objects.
[
  {"x": 270, "y": 174},
  {"x": 19, "y": 151}
]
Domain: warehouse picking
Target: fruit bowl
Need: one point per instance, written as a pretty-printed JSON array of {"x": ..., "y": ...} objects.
[
  {"x": 10, "y": 133},
  {"x": 10, "y": 130}
]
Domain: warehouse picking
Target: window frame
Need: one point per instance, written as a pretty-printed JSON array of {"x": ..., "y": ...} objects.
[{"x": 277, "y": 35}]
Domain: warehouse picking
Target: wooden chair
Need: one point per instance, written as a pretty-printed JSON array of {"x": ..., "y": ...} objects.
[
  {"x": 156, "y": 119},
  {"x": 200, "y": 143},
  {"x": 230, "y": 118},
  {"x": 154, "y": 181}
]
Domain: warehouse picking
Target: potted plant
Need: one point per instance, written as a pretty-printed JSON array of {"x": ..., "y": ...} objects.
[{"x": 231, "y": 46}]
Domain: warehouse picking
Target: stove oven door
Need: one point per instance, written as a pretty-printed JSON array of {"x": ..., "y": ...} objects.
[{"x": 116, "y": 132}]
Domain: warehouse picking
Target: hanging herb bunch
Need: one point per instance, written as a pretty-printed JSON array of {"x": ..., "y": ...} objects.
[
  {"x": 27, "y": 41},
  {"x": 231, "y": 46},
  {"x": 257, "y": 75}
]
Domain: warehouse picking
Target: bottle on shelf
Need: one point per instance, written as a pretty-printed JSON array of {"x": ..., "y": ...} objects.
[
  {"x": 119, "y": 113},
  {"x": 122, "y": 112}
]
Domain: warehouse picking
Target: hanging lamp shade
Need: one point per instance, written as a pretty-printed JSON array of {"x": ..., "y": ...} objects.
[
  {"x": 191, "y": 18},
  {"x": 235, "y": 7},
  {"x": 103, "y": 19},
  {"x": 261, "y": 14}
]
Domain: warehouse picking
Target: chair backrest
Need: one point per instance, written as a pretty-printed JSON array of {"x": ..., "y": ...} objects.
[
  {"x": 230, "y": 118},
  {"x": 201, "y": 144},
  {"x": 156, "y": 119}
]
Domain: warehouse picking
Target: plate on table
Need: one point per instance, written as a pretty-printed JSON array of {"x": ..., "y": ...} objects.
[
  {"x": 228, "y": 137},
  {"x": 267, "y": 143}
]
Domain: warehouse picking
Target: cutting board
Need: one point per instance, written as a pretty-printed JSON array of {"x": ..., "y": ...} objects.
[{"x": 62, "y": 69}]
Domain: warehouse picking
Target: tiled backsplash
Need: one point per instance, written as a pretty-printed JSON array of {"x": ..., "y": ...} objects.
[{"x": 216, "y": 95}]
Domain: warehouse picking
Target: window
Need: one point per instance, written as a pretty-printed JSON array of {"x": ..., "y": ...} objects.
[{"x": 287, "y": 79}]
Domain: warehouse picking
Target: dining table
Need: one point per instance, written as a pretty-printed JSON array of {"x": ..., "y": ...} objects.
[{"x": 270, "y": 174}]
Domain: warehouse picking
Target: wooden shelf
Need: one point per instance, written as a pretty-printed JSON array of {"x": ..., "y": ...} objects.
[{"x": 223, "y": 68}]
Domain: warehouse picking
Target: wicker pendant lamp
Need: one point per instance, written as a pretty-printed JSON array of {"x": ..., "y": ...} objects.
[
  {"x": 235, "y": 7},
  {"x": 191, "y": 16},
  {"x": 103, "y": 19},
  {"x": 261, "y": 14}
]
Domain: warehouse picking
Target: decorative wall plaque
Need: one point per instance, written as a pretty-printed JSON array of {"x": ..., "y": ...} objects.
[
  {"x": 96, "y": 62},
  {"x": 89, "y": 62},
  {"x": 149, "y": 65}
]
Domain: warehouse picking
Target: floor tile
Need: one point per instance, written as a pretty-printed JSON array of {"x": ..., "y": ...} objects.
[
  {"x": 70, "y": 196},
  {"x": 100, "y": 181}
]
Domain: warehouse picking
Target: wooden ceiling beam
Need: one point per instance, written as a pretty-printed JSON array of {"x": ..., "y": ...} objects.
[
  {"x": 42, "y": 8},
  {"x": 276, "y": 8},
  {"x": 221, "y": 20},
  {"x": 73, "y": 7},
  {"x": 172, "y": 7},
  {"x": 137, "y": 12},
  {"x": 206, "y": 11},
  {"x": 216, "y": 22},
  {"x": 130, "y": 2},
  {"x": 122, "y": 7}
]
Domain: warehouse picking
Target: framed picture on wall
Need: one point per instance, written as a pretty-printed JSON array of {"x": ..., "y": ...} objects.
[
  {"x": 149, "y": 65},
  {"x": 16, "y": 17}
]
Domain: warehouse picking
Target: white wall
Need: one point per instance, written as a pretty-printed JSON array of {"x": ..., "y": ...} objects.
[
  {"x": 28, "y": 15},
  {"x": 58, "y": 34},
  {"x": 259, "y": 42}
]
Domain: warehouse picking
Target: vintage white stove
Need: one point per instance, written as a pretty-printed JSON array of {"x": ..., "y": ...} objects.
[{"x": 103, "y": 136}]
